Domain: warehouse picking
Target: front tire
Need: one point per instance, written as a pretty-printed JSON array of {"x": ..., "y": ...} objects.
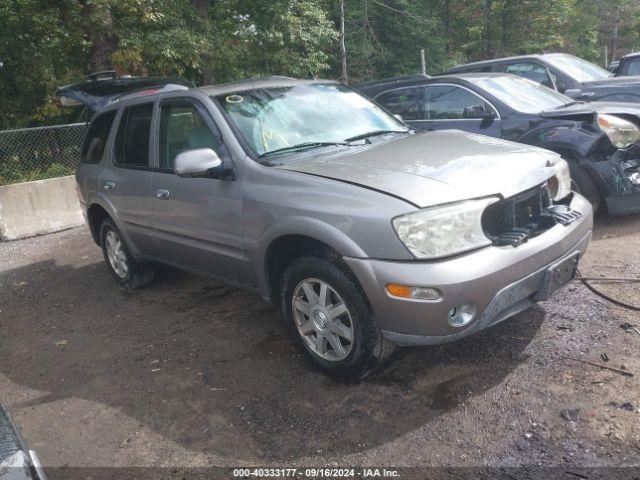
[
  {"x": 325, "y": 311},
  {"x": 585, "y": 184},
  {"x": 125, "y": 270}
]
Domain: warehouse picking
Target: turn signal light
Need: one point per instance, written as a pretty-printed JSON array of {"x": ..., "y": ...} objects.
[{"x": 416, "y": 293}]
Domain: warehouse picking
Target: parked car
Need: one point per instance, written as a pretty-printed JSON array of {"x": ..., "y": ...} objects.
[
  {"x": 576, "y": 77},
  {"x": 600, "y": 140},
  {"x": 17, "y": 462},
  {"x": 627, "y": 66},
  {"x": 364, "y": 232},
  {"x": 98, "y": 89}
]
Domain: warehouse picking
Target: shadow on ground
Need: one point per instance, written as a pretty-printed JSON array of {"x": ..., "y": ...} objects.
[{"x": 211, "y": 368}]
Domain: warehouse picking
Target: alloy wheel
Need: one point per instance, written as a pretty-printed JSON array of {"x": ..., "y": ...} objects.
[
  {"x": 116, "y": 254},
  {"x": 323, "y": 319}
]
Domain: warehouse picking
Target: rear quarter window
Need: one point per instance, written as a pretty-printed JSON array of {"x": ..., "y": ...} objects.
[{"x": 96, "y": 138}]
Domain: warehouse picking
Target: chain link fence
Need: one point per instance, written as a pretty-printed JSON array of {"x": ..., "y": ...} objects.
[{"x": 37, "y": 153}]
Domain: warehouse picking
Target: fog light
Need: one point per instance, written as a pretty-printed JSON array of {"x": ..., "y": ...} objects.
[
  {"x": 462, "y": 314},
  {"x": 634, "y": 177},
  {"x": 417, "y": 293}
]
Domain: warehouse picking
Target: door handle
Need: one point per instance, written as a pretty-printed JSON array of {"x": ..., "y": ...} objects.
[
  {"x": 162, "y": 194},
  {"x": 109, "y": 186}
]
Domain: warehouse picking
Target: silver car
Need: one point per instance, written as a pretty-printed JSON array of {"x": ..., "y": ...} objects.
[{"x": 366, "y": 234}]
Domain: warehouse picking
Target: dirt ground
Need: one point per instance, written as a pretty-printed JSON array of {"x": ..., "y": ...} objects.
[{"x": 186, "y": 372}]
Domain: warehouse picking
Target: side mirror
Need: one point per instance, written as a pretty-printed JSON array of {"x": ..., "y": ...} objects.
[
  {"x": 477, "y": 111},
  {"x": 399, "y": 117},
  {"x": 561, "y": 87},
  {"x": 199, "y": 162}
]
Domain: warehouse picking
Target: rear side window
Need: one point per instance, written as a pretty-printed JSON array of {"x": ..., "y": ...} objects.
[
  {"x": 132, "y": 140},
  {"x": 96, "y": 138},
  {"x": 406, "y": 102}
]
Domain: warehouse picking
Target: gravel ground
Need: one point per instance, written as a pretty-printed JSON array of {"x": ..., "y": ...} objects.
[{"x": 186, "y": 372}]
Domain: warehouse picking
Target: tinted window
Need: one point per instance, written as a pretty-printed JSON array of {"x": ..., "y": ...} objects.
[
  {"x": 96, "y": 139},
  {"x": 406, "y": 102},
  {"x": 448, "y": 102},
  {"x": 132, "y": 140},
  {"x": 530, "y": 71},
  {"x": 182, "y": 128},
  {"x": 634, "y": 68}
]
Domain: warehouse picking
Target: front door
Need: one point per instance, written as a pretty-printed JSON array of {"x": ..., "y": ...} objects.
[
  {"x": 447, "y": 106},
  {"x": 197, "y": 220}
]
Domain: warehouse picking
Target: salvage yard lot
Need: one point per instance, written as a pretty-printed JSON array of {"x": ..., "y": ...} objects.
[{"x": 186, "y": 372}]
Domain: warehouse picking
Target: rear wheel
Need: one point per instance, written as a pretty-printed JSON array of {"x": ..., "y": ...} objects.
[
  {"x": 125, "y": 270},
  {"x": 326, "y": 312}
]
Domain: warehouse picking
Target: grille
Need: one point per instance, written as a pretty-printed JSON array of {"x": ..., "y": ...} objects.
[{"x": 516, "y": 219}]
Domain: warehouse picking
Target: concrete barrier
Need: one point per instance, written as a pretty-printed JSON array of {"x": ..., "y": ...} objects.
[{"x": 35, "y": 208}]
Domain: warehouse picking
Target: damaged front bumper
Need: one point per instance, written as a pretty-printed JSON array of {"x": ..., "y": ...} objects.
[{"x": 499, "y": 280}]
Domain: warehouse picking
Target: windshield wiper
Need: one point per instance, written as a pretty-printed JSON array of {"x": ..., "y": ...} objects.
[
  {"x": 300, "y": 146},
  {"x": 372, "y": 134}
]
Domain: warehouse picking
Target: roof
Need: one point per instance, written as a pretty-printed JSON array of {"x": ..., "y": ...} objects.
[
  {"x": 256, "y": 83},
  {"x": 503, "y": 59},
  {"x": 378, "y": 86},
  {"x": 630, "y": 55}
]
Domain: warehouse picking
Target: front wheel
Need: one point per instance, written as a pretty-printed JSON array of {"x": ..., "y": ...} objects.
[
  {"x": 327, "y": 314},
  {"x": 585, "y": 185}
]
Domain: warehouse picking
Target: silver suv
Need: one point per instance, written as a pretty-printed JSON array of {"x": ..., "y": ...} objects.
[{"x": 366, "y": 234}]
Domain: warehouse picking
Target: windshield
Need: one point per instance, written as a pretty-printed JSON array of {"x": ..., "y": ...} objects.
[
  {"x": 273, "y": 119},
  {"x": 521, "y": 94},
  {"x": 578, "y": 69}
]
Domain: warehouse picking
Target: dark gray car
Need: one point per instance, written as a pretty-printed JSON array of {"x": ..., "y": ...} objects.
[
  {"x": 365, "y": 233},
  {"x": 573, "y": 76}
]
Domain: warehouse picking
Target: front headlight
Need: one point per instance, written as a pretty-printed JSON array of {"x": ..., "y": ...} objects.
[
  {"x": 621, "y": 132},
  {"x": 444, "y": 230},
  {"x": 560, "y": 183}
]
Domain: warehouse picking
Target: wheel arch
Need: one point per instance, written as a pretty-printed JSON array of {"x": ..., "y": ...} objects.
[{"x": 284, "y": 242}]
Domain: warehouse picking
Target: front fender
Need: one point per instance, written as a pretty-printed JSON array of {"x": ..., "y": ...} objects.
[
  {"x": 565, "y": 137},
  {"x": 303, "y": 226}
]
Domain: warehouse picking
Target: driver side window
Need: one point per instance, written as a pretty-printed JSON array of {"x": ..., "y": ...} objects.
[
  {"x": 448, "y": 102},
  {"x": 182, "y": 127},
  {"x": 529, "y": 70}
]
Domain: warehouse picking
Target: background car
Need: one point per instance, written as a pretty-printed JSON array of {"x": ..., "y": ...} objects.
[
  {"x": 598, "y": 139},
  {"x": 629, "y": 65},
  {"x": 564, "y": 73}
]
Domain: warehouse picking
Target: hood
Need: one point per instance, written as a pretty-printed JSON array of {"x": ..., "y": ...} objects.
[
  {"x": 432, "y": 168},
  {"x": 585, "y": 111},
  {"x": 97, "y": 92}
]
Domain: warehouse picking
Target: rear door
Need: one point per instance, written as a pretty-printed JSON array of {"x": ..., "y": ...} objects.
[
  {"x": 198, "y": 220},
  {"x": 126, "y": 180}
]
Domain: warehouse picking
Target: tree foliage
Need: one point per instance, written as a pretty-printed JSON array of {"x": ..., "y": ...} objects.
[{"x": 47, "y": 43}]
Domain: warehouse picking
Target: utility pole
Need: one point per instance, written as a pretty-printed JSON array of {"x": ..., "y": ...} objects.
[
  {"x": 343, "y": 49},
  {"x": 423, "y": 63}
]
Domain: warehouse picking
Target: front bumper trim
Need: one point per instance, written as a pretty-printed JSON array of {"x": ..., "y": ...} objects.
[{"x": 507, "y": 302}]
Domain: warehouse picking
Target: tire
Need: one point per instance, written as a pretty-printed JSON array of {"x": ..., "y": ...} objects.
[
  {"x": 357, "y": 357},
  {"x": 585, "y": 185},
  {"x": 128, "y": 273}
]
